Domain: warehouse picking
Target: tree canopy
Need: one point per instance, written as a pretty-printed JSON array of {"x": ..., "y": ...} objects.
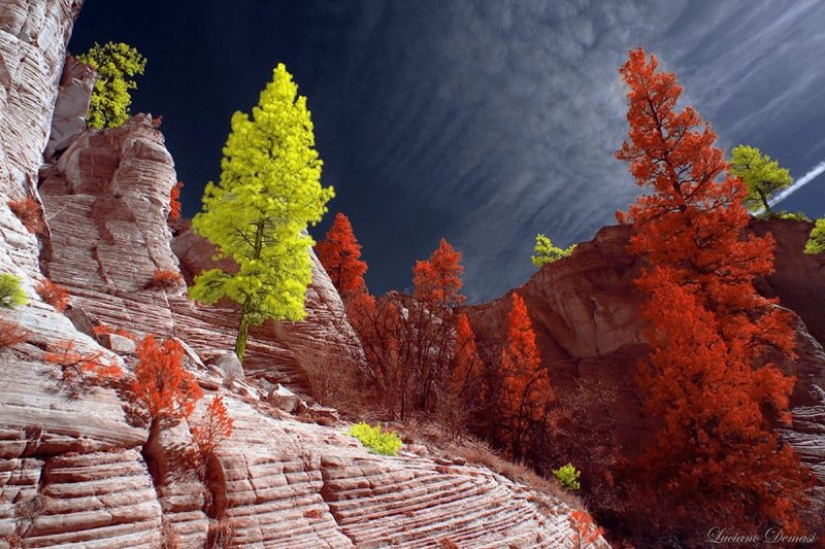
[
  {"x": 762, "y": 176},
  {"x": 545, "y": 252},
  {"x": 816, "y": 241},
  {"x": 115, "y": 64},
  {"x": 269, "y": 193},
  {"x": 340, "y": 254},
  {"x": 709, "y": 377}
]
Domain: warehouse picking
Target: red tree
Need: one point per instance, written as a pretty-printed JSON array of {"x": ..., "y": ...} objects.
[
  {"x": 164, "y": 392},
  {"x": 708, "y": 376},
  {"x": 525, "y": 391},
  {"x": 340, "y": 254},
  {"x": 437, "y": 280}
]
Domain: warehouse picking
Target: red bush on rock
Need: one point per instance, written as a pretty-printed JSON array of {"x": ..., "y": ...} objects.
[
  {"x": 78, "y": 371},
  {"x": 163, "y": 392},
  {"x": 56, "y": 296},
  {"x": 28, "y": 211},
  {"x": 166, "y": 279},
  {"x": 174, "y": 202},
  {"x": 12, "y": 334}
]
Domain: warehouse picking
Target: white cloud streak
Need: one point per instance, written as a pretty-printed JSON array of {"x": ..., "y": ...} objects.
[{"x": 812, "y": 174}]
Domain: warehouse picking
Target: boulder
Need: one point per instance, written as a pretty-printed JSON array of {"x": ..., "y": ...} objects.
[
  {"x": 227, "y": 362},
  {"x": 283, "y": 398},
  {"x": 118, "y": 343}
]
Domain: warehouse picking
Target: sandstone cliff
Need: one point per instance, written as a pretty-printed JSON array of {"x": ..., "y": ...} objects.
[{"x": 72, "y": 472}]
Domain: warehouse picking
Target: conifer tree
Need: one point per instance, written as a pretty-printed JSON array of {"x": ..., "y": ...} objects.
[
  {"x": 545, "y": 252},
  {"x": 762, "y": 176},
  {"x": 437, "y": 280},
  {"x": 115, "y": 64},
  {"x": 340, "y": 254},
  {"x": 526, "y": 390},
  {"x": 709, "y": 375},
  {"x": 269, "y": 192}
]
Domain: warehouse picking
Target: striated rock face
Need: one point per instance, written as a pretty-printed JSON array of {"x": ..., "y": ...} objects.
[
  {"x": 72, "y": 105},
  {"x": 585, "y": 313},
  {"x": 106, "y": 200}
]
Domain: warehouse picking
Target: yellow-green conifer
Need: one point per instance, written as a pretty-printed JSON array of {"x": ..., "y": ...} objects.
[{"x": 269, "y": 192}]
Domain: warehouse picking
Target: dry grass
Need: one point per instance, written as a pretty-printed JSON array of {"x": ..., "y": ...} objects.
[
  {"x": 12, "y": 334},
  {"x": 479, "y": 453},
  {"x": 56, "y": 296}
]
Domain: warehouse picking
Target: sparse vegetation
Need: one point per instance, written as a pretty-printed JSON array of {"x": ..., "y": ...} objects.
[
  {"x": 386, "y": 443},
  {"x": 11, "y": 294},
  {"x": 545, "y": 252},
  {"x": 29, "y": 213},
  {"x": 79, "y": 371},
  {"x": 56, "y": 296},
  {"x": 568, "y": 477},
  {"x": 12, "y": 334},
  {"x": 816, "y": 241},
  {"x": 166, "y": 279}
]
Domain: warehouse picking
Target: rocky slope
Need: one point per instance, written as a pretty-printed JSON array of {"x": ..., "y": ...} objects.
[{"x": 72, "y": 472}]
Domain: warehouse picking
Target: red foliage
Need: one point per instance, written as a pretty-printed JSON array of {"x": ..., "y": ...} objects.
[
  {"x": 467, "y": 366},
  {"x": 30, "y": 214},
  {"x": 526, "y": 390},
  {"x": 166, "y": 279},
  {"x": 174, "y": 202},
  {"x": 12, "y": 334},
  {"x": 340, "y": 254},
  {"x": 80, "y": 370},
  {"x": 163, "y": 391},
  {"x": 214, "y": 429},
  {"x": 56, "y": 296},
  {"x": 438, "y": 280},
  {"x": 708, "y": 376},
  {"x": 586, "y": 532}
]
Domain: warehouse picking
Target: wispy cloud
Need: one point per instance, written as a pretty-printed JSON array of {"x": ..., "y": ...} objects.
[{"x": 812, "y": 174}]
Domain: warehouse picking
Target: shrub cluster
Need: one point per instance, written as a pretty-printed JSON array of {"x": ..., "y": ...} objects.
[
  {"x": 56, "y": 296},
  {"x": 29, "y": 213},
  {"x": 166, "y": 279},
  {"x": 386, "y": 443},
  {"x": 568, "y": 476},
  {"x": 11, "y": 294}
]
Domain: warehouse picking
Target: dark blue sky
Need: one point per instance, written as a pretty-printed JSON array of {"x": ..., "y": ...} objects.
[{"x": 485, "y": 122}]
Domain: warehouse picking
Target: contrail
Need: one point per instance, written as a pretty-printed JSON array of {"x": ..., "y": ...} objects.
[{"x": 799, "y": 183}]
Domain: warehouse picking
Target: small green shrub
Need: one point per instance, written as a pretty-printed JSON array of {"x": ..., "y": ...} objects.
[
  {"x": 11, "y": 294},
  {"x": 795, "y": 216},
  {"x": 568, "y": 477},
  {"x": 386, "y": 443}
]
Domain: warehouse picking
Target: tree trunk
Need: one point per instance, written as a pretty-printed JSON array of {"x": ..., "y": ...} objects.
[{"x": 243, "y": 331}]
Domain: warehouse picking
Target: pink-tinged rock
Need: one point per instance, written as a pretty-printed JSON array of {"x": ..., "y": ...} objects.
[
  {"x": 72, "y": 105},
  {"x": 227, "y": 362},
  {"x": 107, "y": 197},
  {"x": 118, "y": 344}
]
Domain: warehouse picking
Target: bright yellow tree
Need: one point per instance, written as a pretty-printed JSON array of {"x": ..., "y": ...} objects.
[{"x": 269, "y": 193}]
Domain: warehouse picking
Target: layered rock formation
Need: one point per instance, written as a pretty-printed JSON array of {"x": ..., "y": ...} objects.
[{"x": 73, "y": 471}]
